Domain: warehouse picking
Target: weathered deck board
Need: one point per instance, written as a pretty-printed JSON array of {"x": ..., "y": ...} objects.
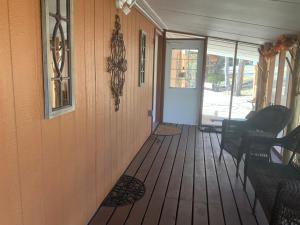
[{"x": 186, "y": 184}]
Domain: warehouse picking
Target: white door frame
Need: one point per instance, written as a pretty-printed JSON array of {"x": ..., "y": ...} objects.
[
  {"x": 157, "y": 33},
  {"x": 189, "y": 43}
]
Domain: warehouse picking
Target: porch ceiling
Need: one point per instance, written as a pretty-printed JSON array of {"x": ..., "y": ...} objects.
[{"x": 255, "y": 21}]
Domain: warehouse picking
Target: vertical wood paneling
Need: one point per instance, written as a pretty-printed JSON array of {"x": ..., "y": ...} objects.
[
  {"x": 58, "y": 171},
  {"x": 10, "y": 204},
  {"x": 82, "y": 142},
  {"x": 101, "y": 188},
  {"x": 27, "y": 107},
  {"x": 91, "y": 103}
]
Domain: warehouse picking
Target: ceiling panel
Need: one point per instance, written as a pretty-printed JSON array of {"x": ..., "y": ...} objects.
[{"x": 254, "y": 21}]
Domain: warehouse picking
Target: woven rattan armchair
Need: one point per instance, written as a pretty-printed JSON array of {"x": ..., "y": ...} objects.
[
  {"x": 276, "y": 185},
  {"x": 268, "y": 121}
]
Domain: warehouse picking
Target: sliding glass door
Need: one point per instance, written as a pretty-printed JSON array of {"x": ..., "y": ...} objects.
[
  {"x": 245, "y": 83},
  {"x": 218, "y": 81},
  {"x": 230, "y": 81}
]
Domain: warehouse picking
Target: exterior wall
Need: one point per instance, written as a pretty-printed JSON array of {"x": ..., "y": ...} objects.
[{"x": 57, "y": 172}]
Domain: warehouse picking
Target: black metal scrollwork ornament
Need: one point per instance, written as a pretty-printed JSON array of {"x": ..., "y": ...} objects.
[{"x": 117, "y": 64}]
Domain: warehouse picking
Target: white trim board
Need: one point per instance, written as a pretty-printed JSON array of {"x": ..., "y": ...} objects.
[{"x": 147, "y": 11}]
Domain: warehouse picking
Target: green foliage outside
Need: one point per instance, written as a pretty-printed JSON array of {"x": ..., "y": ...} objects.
[{"x": 215, "y": 78}]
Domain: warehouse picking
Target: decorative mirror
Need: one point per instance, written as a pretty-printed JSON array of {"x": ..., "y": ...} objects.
[
  {"x": 57, "y": 57},
  {"x": 142, "y": 63},
  {"x": 117, "y": 63}
]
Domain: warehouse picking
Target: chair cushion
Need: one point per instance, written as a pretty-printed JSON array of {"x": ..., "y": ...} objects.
[{"x": 265, "y": 178}]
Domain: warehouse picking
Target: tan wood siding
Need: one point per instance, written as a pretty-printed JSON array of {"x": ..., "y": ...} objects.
[{"x": 58, "y": 171}]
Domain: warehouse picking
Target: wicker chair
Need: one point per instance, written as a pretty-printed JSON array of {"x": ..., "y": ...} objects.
[
  {"x": 270, "y": 121},
  {"x": 277, "y": 186}
]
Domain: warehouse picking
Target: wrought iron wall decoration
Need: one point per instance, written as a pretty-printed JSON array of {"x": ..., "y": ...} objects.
[
  {"x": 142, "y": 63},
  {"x": 117, "y": 63},
  {"x": 57, "y": 57}
]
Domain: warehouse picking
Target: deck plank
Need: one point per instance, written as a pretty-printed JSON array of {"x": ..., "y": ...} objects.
[
  {"x": 156, "y": 203},
  {"x": 260, "y": 215},
  {"x": 214, "y": 197},
  {"x": 200, "y": 210},
  {"x": 121, "y": 213},
  {"x": 185, "y": 208},
  {"x": 139, "y": 208},
  {"x": 169, "y": 211},
  {"x": 242, "y": 202},
  {"x": 104, "y": 213},
  {"x": 229, "y": 204},
  {"x": 186, "y": 184}
]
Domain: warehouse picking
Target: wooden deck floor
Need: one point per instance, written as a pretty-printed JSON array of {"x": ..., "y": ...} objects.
[{"x": 185, "y": 185}]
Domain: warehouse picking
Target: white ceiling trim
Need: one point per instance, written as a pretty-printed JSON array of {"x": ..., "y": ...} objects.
[{"x": 147, "y": 10}]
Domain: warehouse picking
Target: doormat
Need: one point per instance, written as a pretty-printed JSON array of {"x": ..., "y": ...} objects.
[
  {"x": 210, "y": 129},
  {"x": 126, "y": 191},
  {"x": 167, "y": 130}
]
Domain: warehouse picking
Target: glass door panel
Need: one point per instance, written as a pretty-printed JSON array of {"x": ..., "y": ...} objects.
[
  {"x": 218, "y": 80},
  {"x": 244, "y": 91}
]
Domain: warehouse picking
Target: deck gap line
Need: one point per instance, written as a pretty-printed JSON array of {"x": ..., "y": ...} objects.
[
  {"x": 217, "y": 176},
  {"x": 204, "y": 159},
  {"x": 194, "y": 176},
  {"x": 144, "y": 145},
  {"x": 178, "y": 200}
]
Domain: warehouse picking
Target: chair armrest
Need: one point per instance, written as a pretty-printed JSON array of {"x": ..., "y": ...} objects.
[
  {"x": 233, "y": 123},
  {"x": 260, "y": 137},
  {"x": 287, "y": 202}
]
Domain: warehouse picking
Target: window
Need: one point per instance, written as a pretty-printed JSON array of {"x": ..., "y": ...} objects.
[
  {"x": 57, "y": 57},
  {"x": 184, "y": 64},
  {"x": 142, "y": 58}
]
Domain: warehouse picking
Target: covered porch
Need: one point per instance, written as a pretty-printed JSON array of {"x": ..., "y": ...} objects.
[{"x": 84, "y": 85}]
